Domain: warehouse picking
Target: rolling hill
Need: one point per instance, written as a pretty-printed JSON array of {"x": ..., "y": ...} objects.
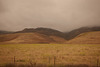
[
  {"x": 5, "y": 32},
  {"x": 47, "y": 35},
  {"x": 72, "y": 34},
  {"x": 86, "y": 38},
  {"x": 29, "y": 38},
  {"x": 45, "y": 31}
]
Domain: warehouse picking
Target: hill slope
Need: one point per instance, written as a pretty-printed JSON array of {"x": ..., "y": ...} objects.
[
  {"x": 47, "y": 35},
  {"x": 5, "y": 32},
  {"x": 76, "y": 32},
  {"x": 45, "y": 31},
  {"x": 29, "y": 38},
  {"x": 86, "y": 38}
]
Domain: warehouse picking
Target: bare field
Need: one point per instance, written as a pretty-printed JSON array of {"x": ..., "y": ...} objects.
[{"x": 50, "y": 54}]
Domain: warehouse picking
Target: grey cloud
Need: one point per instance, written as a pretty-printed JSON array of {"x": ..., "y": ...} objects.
[
  {"x": 2, "y": 8},
  {"x": 63, "y": 15}
]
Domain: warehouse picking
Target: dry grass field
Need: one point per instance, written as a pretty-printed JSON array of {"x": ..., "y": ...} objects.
[
  {"x": 50, "y": 54},
  {"x": 86, "y": 38}
]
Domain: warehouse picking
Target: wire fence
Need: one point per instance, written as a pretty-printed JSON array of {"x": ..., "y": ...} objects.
[{"x": 51, "y": 62}]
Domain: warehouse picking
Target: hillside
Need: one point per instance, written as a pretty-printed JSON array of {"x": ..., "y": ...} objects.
[
  {"x": 47, "y": 35},
  {"x": 29, "y": 38},
  {"x": 45, "y": 31},
  {"x": 86, "y": 38},
  {"x": 31, "y": 35},
  {"x": 76, "y": 32},
  {"x": 67, "y": 35},
  {"x": 5, "y": 32},
  {"x": 52, "y": 32}
]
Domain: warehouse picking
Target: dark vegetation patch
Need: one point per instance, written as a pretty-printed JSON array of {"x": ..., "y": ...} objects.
[{"x": 43, "y": 65}]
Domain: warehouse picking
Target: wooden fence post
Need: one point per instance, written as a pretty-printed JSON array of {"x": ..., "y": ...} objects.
[
  {"x": 97, "y": 62},
  {"x": 14, "y": 60},
  {"x": 54, "y": 61},
  {"x": 49, "y": 60}
]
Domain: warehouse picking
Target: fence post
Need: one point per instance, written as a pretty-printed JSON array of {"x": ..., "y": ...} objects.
[
  {"x": 14, "y": 60},
  {"x": 54, "y": 61},
  {"x": 97, "y": 62},
  {"x": 49, "y": 60},
  {"x": 31, "y": 63}
]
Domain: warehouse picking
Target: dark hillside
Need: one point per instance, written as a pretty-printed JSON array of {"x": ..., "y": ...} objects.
[
  {"x": 76, "y": 32},
  {"x": 5, "y": 32},
  {"x": 45, "y": 31}
]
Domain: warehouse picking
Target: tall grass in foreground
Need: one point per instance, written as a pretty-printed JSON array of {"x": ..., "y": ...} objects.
[
  {"x": 40, "y": 65},
  {"x": 34, "y": 64},
  {"x": 50, "y": 55}
]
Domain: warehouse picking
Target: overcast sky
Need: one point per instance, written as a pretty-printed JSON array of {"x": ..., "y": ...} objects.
[{"x": 63, "y": 15}]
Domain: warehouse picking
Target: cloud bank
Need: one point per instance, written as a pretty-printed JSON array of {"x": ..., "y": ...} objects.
[{"x": 63, "y": 15}]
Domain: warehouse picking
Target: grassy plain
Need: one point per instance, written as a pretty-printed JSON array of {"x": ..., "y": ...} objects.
[{"x": 45, "y": 54}]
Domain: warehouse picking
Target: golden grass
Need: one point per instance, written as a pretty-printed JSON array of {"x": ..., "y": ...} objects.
[
  {"x": 86, "y": 38},
  {"x": 44, "y": 53}
]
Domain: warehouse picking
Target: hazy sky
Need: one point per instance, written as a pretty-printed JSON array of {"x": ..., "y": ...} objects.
[{"x": 63, "y": 15}]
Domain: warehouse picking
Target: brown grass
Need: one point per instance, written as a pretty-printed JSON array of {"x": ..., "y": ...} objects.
[
  {"x": 86, "y": 38},
  {"x": 29, "y": 38},
  {"x": 74, "y": 54}
]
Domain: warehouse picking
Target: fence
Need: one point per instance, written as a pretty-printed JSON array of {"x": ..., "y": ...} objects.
[{"x": 50, "y": 60}]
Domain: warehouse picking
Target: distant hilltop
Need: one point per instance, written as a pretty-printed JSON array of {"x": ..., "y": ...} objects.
[
  {"x": 76, "y": 32},
  {"x": 46, "y": 35}
]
